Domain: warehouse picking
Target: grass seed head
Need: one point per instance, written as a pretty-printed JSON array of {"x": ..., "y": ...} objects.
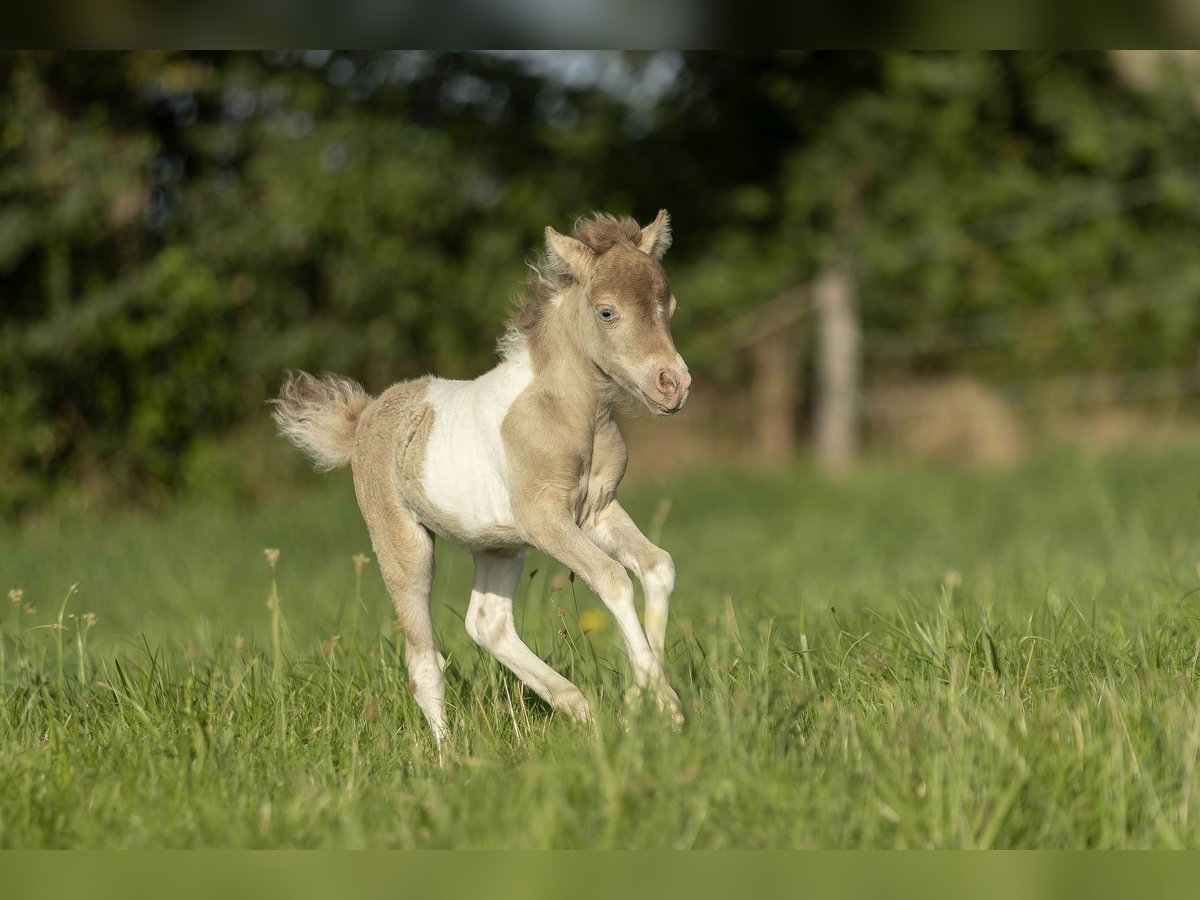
[
  {"x": 272, "y": 555},
  {"x": 16, "y": 595},
  {"x": 360, "y": 560}
]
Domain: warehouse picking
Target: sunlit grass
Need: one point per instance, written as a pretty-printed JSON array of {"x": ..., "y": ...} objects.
[{"x": 916, "y": 658}]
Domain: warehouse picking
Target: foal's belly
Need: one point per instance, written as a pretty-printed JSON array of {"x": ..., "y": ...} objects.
[{"x": 466, "y": 503}]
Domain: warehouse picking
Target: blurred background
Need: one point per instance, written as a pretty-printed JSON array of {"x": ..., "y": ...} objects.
[{"x": 955, "y": 256}]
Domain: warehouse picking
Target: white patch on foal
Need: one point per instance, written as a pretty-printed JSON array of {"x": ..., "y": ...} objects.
[{"x": 465, "y": 475}]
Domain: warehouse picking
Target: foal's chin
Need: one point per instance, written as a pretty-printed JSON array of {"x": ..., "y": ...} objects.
[
  {"x": 657, "y": 410},
  {"x": 634, "y": 402}
]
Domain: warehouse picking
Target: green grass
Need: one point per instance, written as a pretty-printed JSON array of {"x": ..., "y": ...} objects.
[{"x": 915, "y": 658}]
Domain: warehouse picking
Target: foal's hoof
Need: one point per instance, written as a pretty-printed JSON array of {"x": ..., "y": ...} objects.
[
  {"x": 577, "y": 709},
  {"x": 668, "y": 702},
  {"x": 665, "y": 699}
]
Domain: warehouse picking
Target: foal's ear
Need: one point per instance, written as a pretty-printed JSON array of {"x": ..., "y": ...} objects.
[
  {"x": 575, "y": 256},
  {"x": 656, "y": 237}
]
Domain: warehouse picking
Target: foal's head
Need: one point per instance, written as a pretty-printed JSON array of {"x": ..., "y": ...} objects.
[{"x": 624, "y": 305}]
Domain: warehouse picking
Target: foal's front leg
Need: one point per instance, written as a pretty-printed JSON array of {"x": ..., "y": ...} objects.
[
  {"x": 555, "y": 532},
  {"x": 617, "y": 535}
]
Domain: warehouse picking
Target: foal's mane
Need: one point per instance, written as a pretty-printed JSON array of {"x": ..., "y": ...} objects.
[{"x": 548, "y": 278}]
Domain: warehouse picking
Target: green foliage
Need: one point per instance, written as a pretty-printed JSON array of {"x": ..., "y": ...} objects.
[
  {"x": 121, "y": 381},
  {"x": 919, "y": 658},
  {"x": 178, "y": 229},
  {"x": 976, "y": 190}
]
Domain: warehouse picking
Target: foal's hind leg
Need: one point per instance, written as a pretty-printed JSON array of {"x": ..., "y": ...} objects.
[
  {"x": 404, "y": 549},
  {"x": 490, "y": 624}
]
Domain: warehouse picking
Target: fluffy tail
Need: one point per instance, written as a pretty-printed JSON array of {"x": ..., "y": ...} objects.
[{"x": 320, "y": 416}]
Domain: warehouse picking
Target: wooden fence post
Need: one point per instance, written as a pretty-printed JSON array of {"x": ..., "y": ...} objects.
[
  {"x": 775, "y": 389},
  {"x": 838, "y": 368},
  {"x": 771, "y": 334}
]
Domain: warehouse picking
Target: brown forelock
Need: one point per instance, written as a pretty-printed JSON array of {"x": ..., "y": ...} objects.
[
  {"x": 632, "y": 277},
  {"x": 601, "y": 232},
  {"x": 623, "y": 269}
]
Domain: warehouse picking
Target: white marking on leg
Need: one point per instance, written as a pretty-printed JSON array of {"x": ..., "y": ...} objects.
[
  {"x": 490, "y": 624},
  {"x": 617, "y": 535},
  {"x": 617, "y": 595},
  {"x": 658, "y": 581},
  {"x": 428, "y": 688}
]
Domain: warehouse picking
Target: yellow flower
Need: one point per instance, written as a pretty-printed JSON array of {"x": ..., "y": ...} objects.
[{"x": 592, "y": 620}]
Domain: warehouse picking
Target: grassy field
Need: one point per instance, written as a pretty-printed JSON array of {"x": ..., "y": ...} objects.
[{"x": 914, "y": 658}]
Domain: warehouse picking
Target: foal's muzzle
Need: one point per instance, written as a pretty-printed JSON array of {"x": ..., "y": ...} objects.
[{"x": 671, "y": 387}]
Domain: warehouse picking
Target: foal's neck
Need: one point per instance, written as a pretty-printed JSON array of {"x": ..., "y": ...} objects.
[{"x": 562, "y": 369}]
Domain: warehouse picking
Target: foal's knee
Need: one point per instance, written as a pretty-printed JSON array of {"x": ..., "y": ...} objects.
[
  {"x": 486, "y": 625},
  {"x": 659, "y": 572},
  {"x": 613, "y": 585}
]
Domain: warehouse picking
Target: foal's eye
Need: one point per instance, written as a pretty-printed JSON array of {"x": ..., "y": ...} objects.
[{"x": 608, "y": 314}]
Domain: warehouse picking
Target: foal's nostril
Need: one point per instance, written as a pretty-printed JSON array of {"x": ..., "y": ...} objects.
[{"x": 667, "y": 383}]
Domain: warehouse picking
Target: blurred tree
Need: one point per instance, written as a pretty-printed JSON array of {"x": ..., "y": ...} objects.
[{"x": 976, "y": 192}]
